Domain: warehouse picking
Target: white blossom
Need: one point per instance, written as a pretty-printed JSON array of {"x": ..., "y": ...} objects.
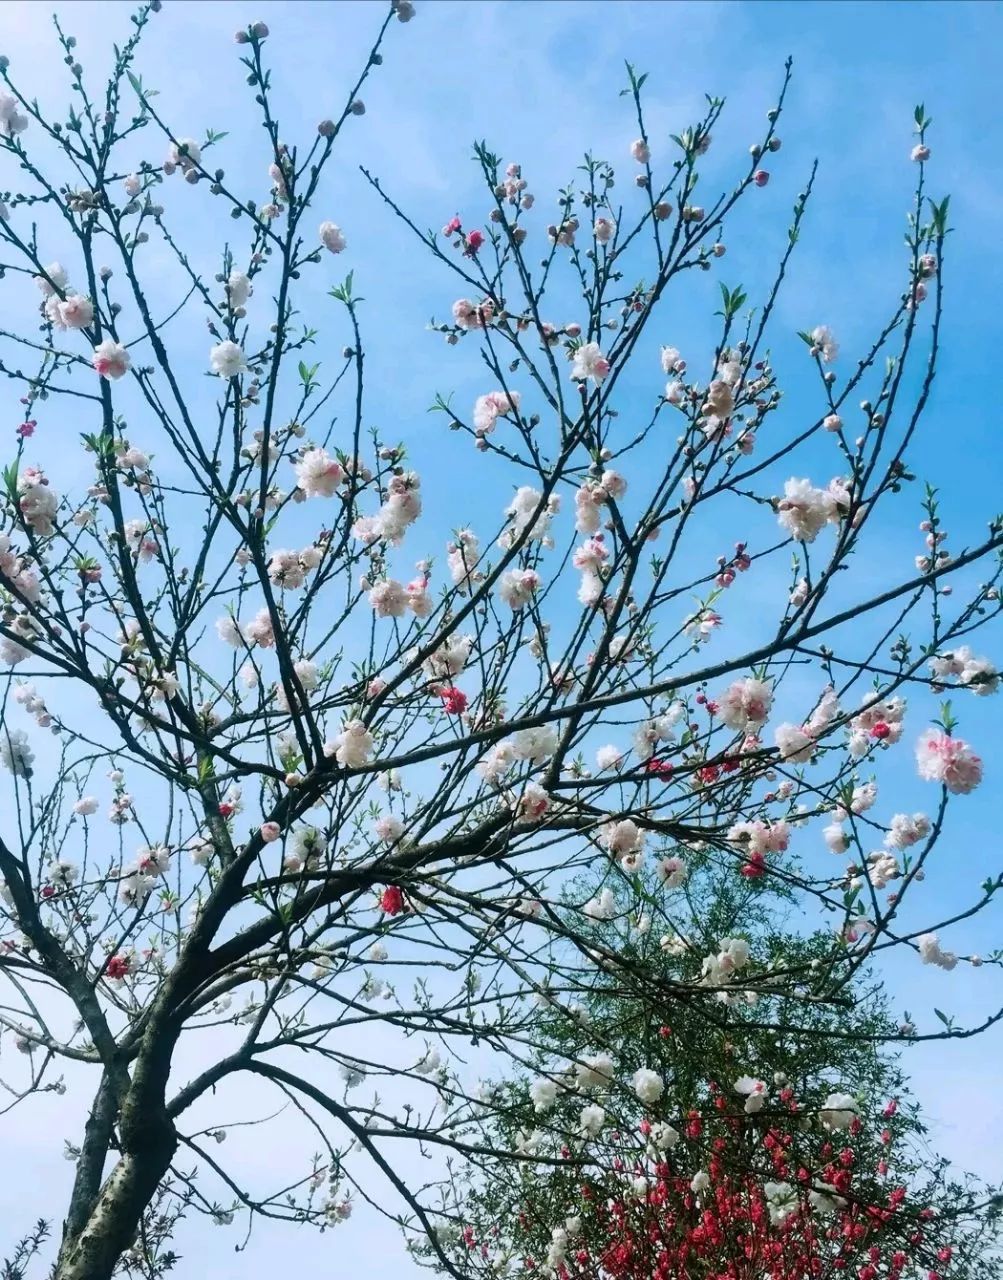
[
  {"x": 227, "y": 359},
  {"x": 331, "y": 237},
  {"x": 648, "y": 1085},
  {"x": 838, "y": 1111}
]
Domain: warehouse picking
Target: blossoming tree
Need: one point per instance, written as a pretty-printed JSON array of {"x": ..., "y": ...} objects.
[
  {"x": 790, "y": 1147},
  {"x": 296, "y": 779}
]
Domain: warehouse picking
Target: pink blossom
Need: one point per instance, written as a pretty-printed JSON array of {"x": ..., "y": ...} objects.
[
  {"x": 589, "y": 362},
  {"x": 613, "y": 485},
  {"x": 353, "y": 746},
  {"x": 331, "y": 237},
  {"x": 804, "y": 510},
  {"x": 259, "y": 630},
  {"x": 110, "y": 359},
  {"x": 389, "y": 599},
  {"x": 462, "y": 555},
  {"x": 906, "y": 830},
  {"x": 388, "y": 828},
  {"x": 672, "y": 872},
  {"x": 745, "y": 704},
  {"x": 824, "y": 344},
  {"x": 794, "y": 744},
  {"x": 672, "y": 361},
  {"x": 516, "y": 587},
  {"x": 76, "y": 312},
  {"x": 489, "y": 408},
  {"x": 588, "y": 499},
  {"x": 622, "y": 837},
  {"x": 318, "y": 474},
  {"x": 533, "y": 803},
  {"x": 37, "y": 502},
  {"x": 591, "y": 555},
  {"x": 472, "y": 315},
  {"x": 941, "y": 758},
  {"x": 761, "y": 837}
]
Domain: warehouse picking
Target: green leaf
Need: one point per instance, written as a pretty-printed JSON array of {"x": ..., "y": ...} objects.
[
  {"x": 733, "y": 299},
  {"x": 938, "y": 215},
  {"x": 343, "y": 292},
  {"x": 307, "y": 374}
]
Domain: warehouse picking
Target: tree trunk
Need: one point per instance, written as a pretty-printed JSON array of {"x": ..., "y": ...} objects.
[{"x": 112, "y": 1224}]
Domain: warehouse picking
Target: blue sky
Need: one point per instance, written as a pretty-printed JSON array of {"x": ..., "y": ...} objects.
[{"x": 540, "y": 82}]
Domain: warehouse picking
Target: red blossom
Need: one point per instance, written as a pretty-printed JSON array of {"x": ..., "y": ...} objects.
[
  {"x": 727, "y": 1231},
  {"x": 392, "y": 900},
  {"x": 118, "y": 966},
  {"x": 454, "y": 701}
]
